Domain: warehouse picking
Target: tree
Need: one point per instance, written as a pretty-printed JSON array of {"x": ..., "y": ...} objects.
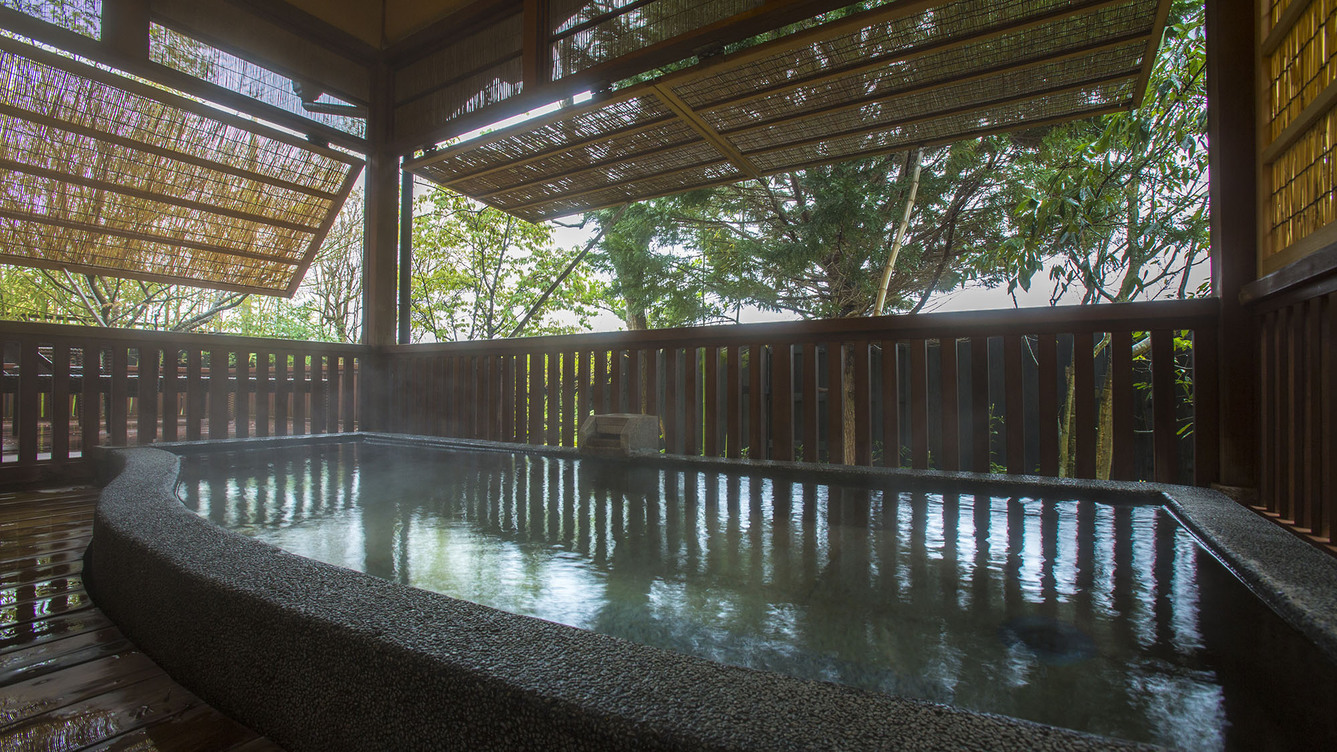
[
  {"x": 658, "y": 276},
  {"x": 477, "y": 270}
]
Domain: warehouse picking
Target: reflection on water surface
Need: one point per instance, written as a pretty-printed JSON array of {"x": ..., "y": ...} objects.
[{"x": 1104, "y": 618}]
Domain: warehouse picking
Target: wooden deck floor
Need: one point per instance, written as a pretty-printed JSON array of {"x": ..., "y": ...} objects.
[{"x": 69, "y": 680}]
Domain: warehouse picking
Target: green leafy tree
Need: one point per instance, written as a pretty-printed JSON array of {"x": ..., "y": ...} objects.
[{"x": 477, "y": 271}]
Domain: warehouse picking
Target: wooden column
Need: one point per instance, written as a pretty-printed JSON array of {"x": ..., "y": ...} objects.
[
  {"x": 1231, "y": 51},
  {"x": 380, "y": 247},
  {"x": 125, "y": 27}
]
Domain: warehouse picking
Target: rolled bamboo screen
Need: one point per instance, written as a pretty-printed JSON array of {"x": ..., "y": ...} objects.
[
  {"x": 105, "y": 175},
  {"x": 873, "y": 82}
]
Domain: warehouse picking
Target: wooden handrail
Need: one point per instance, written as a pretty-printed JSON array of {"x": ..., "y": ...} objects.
[
  {"x": 1182, "y": 314},
  {"x": 67, "y": 332}
]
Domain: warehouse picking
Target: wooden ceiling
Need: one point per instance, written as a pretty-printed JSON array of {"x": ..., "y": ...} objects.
[{"x": 380, "y": 23}]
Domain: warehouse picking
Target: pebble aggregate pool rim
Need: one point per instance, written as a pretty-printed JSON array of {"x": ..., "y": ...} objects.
[{"x": 321, "y": 657}]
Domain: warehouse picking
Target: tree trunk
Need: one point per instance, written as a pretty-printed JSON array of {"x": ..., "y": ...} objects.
[
  {"x": 1067, "y": 438},
  {"x": 1104, "y": 430}
]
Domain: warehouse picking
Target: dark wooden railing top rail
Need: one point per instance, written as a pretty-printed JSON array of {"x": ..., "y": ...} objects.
[
  {"x": 14, "y": 330},
  {"x": 1144, "y": 316}
]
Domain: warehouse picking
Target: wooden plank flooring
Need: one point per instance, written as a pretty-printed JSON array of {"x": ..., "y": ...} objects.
[{"x": 69, "y": 680}]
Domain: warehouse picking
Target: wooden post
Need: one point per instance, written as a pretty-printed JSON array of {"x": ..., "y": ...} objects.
[
  {"x": 1231, "y": 129},
  {"x": 379, "y": 250},
  {"x": 125, "y": 27}
]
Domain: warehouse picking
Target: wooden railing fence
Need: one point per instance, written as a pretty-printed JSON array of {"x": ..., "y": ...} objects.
[
  {"x": 67, "y": 388},
  {"x": 1091, "y": 391}
]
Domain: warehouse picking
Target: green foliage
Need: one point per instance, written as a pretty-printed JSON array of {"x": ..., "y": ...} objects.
[
  {"x": 476, "y": 271},
  {"x": 1115, "y": 208}
]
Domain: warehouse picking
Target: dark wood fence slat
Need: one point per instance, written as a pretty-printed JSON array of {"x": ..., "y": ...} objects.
[
  {"x": 1207, "y": 406},
  {"x": 756, "y": 436},
  {"x": 1327, "y": 522},
  {"x": 281, "y": 391},
  {"x": 244, "y": 397},
  {"x": 1014, "y": 420},
  {"x": 1084, "y": 401},
  {"x": 317, "y": 393},
  {"x": 950, "y": 457},
  {"x": 1046, "y": 364},
  {"x": 891, "y": 407},
  {"x": 29, "y": 412},
  {"x": 264, "y": 393},
  {"x": 809, "y": 402},
  {"x": 650, "y": 359},
  {"x": 1306, "y": 514},
  {"x": 782, "y": 400},
  {"x": 537, "y": 362},
  {"x": 218, "y": 392},
  {"x": 669, "y": 420},
  {"x": 835, "y": 403},
  {"x": 710, "y": 393},
  {"x": 584, "y": 375},
  {"x": 1295, "y": 412},
  {"x": 918, "y": 404},
  {"x": 60, "y": 401},
  {"x": 570, "y": 420},
  {"x": 335, "y": 394},
  {"x": 733, "y": 404},
  {"x": 118, "y": 430},
  {"x": 301, "y": 391},
  {"x": 90, "y": 409},
  {"x": 521, "y": 380},
  {"x": 599, "y": 385},
  {"x": 691, "y": 412},
  {"x": 170, "y": 404},
  {"x": 553, "y": 416},
  {"x": 980, "y": 431},
  {"x": 146, "y": 420},
  {"x": 618, "y": 400},
  {"x": 1163, "y": 403},
  {"x": 634, "y": 382},
  {"x": 1267, "y": 415},
  {"x": 1122, "y": 459},
  {"x": 863, "y": 402},
  {"x": 350, "y": 383},
  {"x": 194, "y": 393}
]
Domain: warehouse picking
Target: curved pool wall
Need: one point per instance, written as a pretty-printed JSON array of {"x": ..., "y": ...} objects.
[{"x": 319, "y": 657}]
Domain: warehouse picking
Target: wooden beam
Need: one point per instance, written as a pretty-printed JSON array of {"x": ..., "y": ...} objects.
[
  {"x": 1232, "y": 149},
  {"x": 536, "y": 63},
  {"x": 125, "y": 27},
  {"x": 381, "y": 229}
]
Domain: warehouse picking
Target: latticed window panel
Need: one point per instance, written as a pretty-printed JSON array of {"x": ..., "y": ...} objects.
[
  {"x": 1304, "y": 185},
  {"x": 106, "y": 175},
  {"x": 1302, "y": 66},
  {"x": 1300, "y": 199},
  {"x": 891, "y": 77}
]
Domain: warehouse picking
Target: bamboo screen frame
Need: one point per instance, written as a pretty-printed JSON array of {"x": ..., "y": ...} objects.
[
  {"x": 901, "y": 75},
  {"x": 1297, "y": 130},
  {"x": 101, "y": 174}
]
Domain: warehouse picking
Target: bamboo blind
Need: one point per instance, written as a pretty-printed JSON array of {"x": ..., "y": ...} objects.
[
  {"x": 1301, "y": 133},
  {"x": 181, "y": 52},
  {"x": 105, "y": 175},
  {"x": 878, "y": 81},
  {"x": 82, "y": 16}
]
